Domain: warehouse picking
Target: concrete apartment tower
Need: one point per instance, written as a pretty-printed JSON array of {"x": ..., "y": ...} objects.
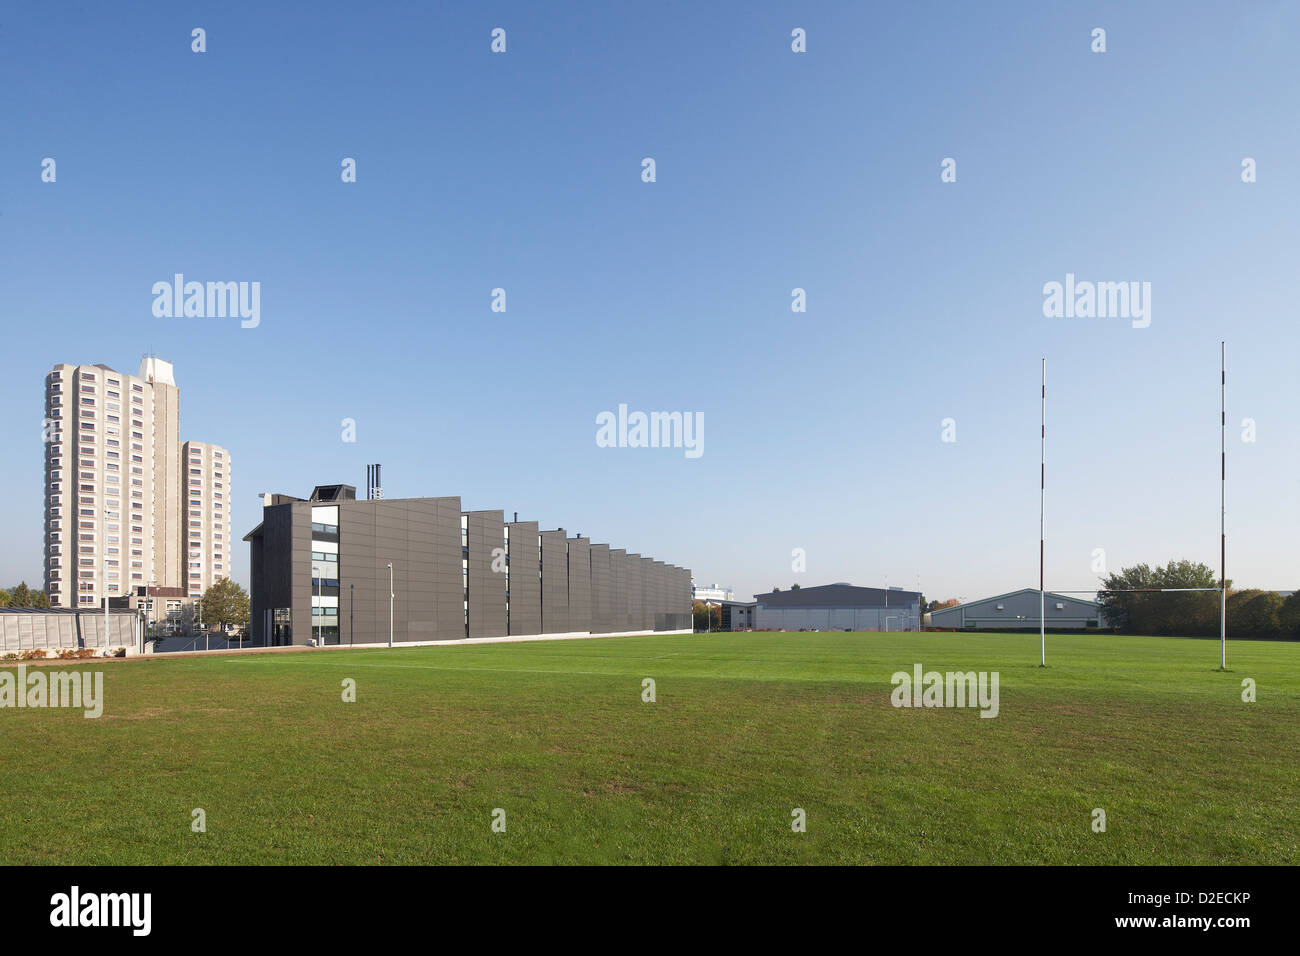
[
  {"x": 115, "y": 521},
  {"x": 164, "y": 451},
  {"x": 205, "y": 530}
]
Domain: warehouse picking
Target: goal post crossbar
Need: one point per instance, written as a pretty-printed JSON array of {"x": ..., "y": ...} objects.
[{"x": 1129, "y": 590}]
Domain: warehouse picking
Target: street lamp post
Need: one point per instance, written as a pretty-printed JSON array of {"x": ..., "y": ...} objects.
[
  {"x": 391, "y": 595},
  {"x": 320, "y": 610},
  {"x": 106, "y": 514}
]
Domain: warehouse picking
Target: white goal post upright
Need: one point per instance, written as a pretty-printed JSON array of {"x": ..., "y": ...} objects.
[
  {"x": 1223, "y": 527},
  {"x": 1042, "y": 507}
]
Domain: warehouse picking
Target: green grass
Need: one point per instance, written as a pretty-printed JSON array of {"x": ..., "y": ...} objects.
[{"x": 746, "y": 727}]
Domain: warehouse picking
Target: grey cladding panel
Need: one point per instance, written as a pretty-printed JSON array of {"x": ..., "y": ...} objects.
[
  {"x": 579, "y": 585},
  {"x": 555, "y": 583},
  {"x": 601, "y": 613},
  {"x": 525, "y": 585},
  {"x": 487, "y": 588}
]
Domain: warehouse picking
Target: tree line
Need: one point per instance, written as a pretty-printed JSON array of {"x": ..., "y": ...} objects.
[
  {"x": 224, "y": 603},
  {"x": 1263, "y": 615},
  {"x": 23, "y": 596}
]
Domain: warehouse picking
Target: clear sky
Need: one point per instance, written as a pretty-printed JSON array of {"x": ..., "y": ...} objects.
[{"x": 775, "y": 170}]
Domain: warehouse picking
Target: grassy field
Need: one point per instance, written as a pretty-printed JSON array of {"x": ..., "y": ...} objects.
[{"x": 745, "y": 728}]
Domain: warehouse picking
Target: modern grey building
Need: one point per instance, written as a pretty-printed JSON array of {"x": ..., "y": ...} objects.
[
  {"x": 838, "y": 607},
  {"x": 1020, "y": 609},
  {"x": 736, "y": 615},
  {"x": 320, "y": 572}
]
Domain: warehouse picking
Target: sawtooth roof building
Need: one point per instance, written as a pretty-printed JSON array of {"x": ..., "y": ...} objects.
[{"x": 321, "y": 567}]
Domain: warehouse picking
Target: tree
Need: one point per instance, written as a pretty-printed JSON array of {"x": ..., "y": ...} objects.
[
  {"x": 4, "y": 599},
  {"x": 794, "y": 587},
  {"x": 706, "y": 617},
  {"x": 225, "y": 603},
  {"x": 1289, "y": 616},
  {"x": 1149, "y": 613},
  {"x": 21, "y": 596},
  {"x": 1253, "y": 613},
  {"x": 937, "y": 605},
  {"x": 1119, "y": 609}
]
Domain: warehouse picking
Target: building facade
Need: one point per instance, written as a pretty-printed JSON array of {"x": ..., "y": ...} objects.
[
  {"x": 736, "y": 615},
  {"x": 205, "y": 530},
  {"x": 320, "y": 571},
  {"x": 1020, "y": 609},
  {"x": 712, "y": 592},
  {"x": 115, "y": 511},
  {"x": 838, "y": 607}
]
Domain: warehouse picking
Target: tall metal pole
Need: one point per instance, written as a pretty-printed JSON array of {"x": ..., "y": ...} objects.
[
  {"x": 105, "y": 579},
  {"x": 390, "y": 603},
  {"x": 320, "y": 609},
  {"x": 1042, "y": 508},
  {"x": 1223, "y": 528}
]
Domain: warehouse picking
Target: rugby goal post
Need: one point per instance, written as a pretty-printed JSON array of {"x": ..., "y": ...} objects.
[{"x": 1223, "y": 535}]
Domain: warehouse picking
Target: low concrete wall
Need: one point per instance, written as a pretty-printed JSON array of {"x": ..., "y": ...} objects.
[{"x": 24, "y": 630}]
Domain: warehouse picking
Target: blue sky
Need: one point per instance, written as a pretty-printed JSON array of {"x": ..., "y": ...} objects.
[{"x": 775, "y": 170}]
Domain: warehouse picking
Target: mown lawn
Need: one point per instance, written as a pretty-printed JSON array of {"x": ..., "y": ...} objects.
[{"x": 745, "y": 728}]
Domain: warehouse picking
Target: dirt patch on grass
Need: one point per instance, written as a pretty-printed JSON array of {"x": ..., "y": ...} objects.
[
  {"x": 148, "y": 713},
  {"x": 615, "y": 787}
]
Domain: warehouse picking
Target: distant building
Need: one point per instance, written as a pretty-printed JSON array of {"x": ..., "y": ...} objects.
[
  {"x": 736, "y": 615},
  {"x": 161, "y": 607},
  {"x": 127, "y": 504},
  {"x": 1019, "y": 609},
  {"x": 205, "y": 488},
  {"x": 712, "y": 592},
  {"x": 321, "y": 569},
  {"x": 838, "y": 607}
]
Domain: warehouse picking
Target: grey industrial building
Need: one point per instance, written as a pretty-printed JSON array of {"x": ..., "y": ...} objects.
[
  {"x": 838, "y": 607},
  {"x": 1020, "y": 609},
  {"x": 319, "y": 571},
  {"x": 735, "y": 615}
]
